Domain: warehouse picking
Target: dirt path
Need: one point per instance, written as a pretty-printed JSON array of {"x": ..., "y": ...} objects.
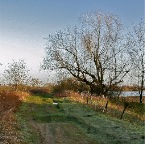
[{"x": 44, "y": 132}]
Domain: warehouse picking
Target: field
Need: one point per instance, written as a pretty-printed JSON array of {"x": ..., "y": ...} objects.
[{"x": 36, "y": 119}]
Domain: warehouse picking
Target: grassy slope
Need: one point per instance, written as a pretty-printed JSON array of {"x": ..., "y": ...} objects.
[{"x": 42, "y": 122}]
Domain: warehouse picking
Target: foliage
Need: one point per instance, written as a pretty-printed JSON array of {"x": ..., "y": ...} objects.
[{"x": 9, "y": 100}]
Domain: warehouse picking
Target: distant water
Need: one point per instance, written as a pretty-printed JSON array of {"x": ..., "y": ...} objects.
[{"x": 131, "y": 93}]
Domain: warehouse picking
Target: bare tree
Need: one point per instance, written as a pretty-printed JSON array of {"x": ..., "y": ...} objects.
[
  {"x": 16, "y": 74},
  {"x": 35, "y": 82},
  {"x": 136, "y": 41},
  {"x": 94, "y": 53}
]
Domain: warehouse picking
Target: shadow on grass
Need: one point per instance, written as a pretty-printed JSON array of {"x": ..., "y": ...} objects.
[{"x": 40, "y": 92}]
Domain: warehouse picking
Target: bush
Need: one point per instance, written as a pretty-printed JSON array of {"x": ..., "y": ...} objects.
[{"x": 70, "y": 84}]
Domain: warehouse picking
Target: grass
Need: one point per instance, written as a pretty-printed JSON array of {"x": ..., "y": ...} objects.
[
  {"x": 42, "y": 122},
  {"x": 134, "y": 112},
  {"x": 75, "y": 135}
]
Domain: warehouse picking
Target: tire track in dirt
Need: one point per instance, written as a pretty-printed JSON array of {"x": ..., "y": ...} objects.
[{"x": 43, "y": 131}]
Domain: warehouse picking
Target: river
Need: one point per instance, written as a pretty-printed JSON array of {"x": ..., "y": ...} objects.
[{"x": 131, "y": 93}]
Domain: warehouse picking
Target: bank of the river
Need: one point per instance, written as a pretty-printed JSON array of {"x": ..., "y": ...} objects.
[{"x": 41, "y": 122}]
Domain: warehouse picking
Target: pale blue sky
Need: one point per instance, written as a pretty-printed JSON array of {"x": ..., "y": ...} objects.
[{"x": 25, "y": 23}]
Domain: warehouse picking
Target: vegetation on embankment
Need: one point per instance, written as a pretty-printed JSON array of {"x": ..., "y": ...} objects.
[{"x": 41, "y": 121}]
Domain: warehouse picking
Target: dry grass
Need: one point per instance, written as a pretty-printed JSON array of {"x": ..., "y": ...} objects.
[
  {"x": 133, "y": 99},
  {"x": 9, "y": 103}
]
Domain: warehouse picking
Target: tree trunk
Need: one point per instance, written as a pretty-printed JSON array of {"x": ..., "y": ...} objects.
[
  {"x": 126, "y": 104},
  {"x": 141, "y": 96},
  {"x": 106, "y": 106},
  {"x": 142, "y": 85}
]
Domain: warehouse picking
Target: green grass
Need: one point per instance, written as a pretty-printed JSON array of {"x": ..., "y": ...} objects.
[
  {"x": 73, "y": 123},
  {"x": 28, "y": 136}
]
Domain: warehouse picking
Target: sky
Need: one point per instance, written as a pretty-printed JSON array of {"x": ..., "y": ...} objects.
[{"x": 24, "y": 25}]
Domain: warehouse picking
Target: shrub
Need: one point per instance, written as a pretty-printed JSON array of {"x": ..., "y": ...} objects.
[{"x": 70, "y": 84}]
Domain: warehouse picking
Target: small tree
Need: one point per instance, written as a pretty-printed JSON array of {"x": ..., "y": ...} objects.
[
  {"x": 136, "y": 41},
  {"x": 35, "y": 82},
  {"x": 16, "y": 74}
]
